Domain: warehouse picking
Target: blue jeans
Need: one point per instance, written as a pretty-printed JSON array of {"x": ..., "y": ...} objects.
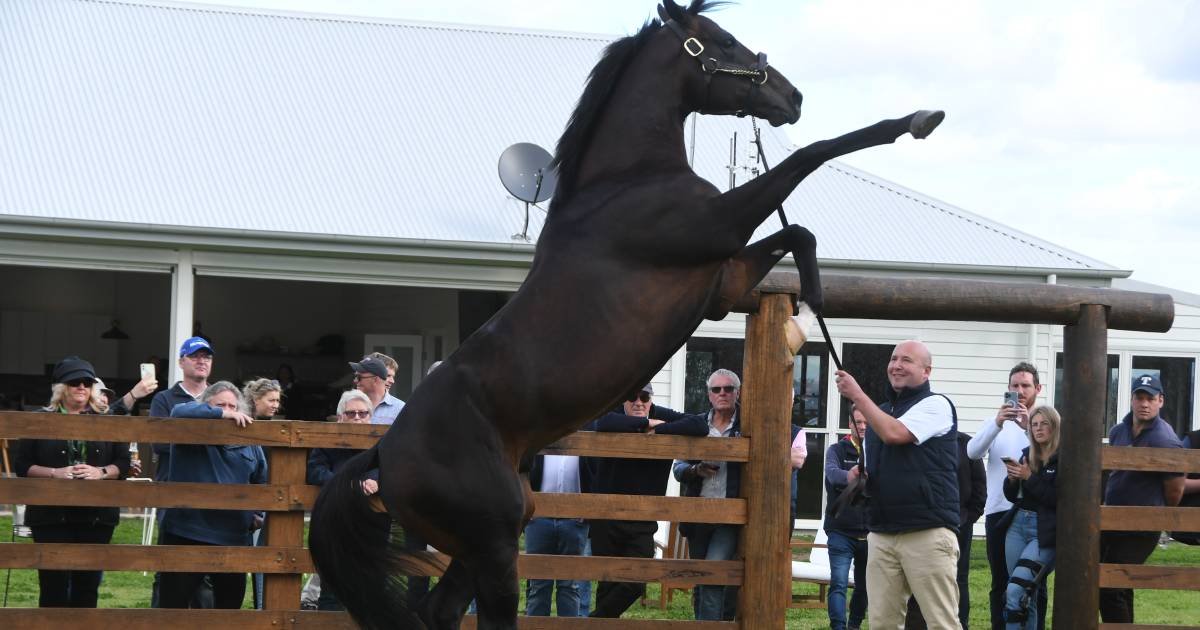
[
  {"x": 559, "y": 537},
  {"x": 1021, "y": 550},
  {"x": 585, "y": 586},
  {"x": 712, "y": 542},
  {"x": 843, "y": 549}
]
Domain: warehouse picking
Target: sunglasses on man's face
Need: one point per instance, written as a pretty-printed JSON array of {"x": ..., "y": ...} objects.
[
  {"x": 728, "y": 389},
  {"x": 349, "y": 413},
  {"x": 642, "y": 396},
  {"x": 80, "y": 381}
]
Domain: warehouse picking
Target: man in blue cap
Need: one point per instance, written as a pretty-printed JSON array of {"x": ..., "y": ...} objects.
[
  {"x": 196, "y": 363},
  {"x": 1142, "y": 427}
]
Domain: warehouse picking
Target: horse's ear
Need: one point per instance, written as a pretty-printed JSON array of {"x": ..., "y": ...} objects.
[{"x": 673, "y": 12}]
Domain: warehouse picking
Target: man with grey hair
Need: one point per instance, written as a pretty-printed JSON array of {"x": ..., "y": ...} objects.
[
  {"x": 717, "y": 480},
  {"x": 911, "y": 453}
]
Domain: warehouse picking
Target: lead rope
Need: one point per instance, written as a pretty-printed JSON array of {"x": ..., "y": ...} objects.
[{"x": 762, "y": 157}]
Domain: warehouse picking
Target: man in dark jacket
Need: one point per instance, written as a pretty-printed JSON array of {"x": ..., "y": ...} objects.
[
  {"x": 647, "y": 477},
  {"x": 911, "y": 454},
  {"x": 846, "y": 526}
]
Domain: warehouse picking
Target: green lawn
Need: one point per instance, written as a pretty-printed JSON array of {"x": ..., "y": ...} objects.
[{"x": 122, "y": 589}]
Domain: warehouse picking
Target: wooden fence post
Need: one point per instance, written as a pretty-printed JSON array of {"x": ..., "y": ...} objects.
[
  {"x": 281, "y": 591},
  {"x": 766, "y": 414},
  {"x": 1085, "y": 385}
]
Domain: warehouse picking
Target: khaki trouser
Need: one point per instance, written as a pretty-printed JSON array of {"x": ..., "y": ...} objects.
[{"x": 923, "y": 563}]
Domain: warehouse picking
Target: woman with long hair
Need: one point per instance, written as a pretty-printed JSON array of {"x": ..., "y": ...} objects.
[
  {"x": 264, "y": 397},
  {"x": 73, "y": 392},
  {"x": 1032, "y": 486}
]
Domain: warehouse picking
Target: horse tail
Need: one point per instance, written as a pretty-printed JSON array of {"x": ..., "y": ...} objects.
[{"x": 352, "y": 551}]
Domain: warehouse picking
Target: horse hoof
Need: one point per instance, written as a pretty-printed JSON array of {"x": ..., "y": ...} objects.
[{"x": 925, "y": 121}]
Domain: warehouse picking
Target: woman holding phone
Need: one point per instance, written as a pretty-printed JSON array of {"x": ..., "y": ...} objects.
[
  {"x": 73, "y": 392},
  {"x": 1032, "y": 486}
]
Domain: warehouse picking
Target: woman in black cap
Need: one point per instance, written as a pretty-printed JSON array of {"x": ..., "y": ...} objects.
[{"x": 72, "y": 393}]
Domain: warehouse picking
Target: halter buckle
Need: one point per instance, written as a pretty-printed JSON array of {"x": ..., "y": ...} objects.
[{"x": 689, "y": 43}]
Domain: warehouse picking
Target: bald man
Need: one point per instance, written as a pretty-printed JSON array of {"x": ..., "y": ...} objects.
[{"x": 911, "y": 452}]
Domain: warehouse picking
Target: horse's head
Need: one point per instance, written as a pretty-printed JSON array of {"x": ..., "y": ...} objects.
[{"x": 725, "y": 77}]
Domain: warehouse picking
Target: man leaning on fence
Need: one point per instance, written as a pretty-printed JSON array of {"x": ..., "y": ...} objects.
[{"x": 1142, "y": 427}]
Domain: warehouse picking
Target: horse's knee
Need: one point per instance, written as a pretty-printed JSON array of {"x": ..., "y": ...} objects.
[{"x": 800, "y": 238}]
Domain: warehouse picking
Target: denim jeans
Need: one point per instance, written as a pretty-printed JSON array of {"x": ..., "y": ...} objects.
[
  {"x": 585, "y": 586},
  {"x": 712, "y": 542},
  {"x": 559, "y": 537},
  {"x": 842, "y": 550},
  {"x": 1021, "y": 544}
]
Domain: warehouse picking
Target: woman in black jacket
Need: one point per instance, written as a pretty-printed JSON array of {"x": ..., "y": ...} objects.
[
  {"x": 1032, "y": 487},
  {"x": 73, "y": 393}
]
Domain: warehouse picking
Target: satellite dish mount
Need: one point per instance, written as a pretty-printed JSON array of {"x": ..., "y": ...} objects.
[{"x": 526, "y": 173}]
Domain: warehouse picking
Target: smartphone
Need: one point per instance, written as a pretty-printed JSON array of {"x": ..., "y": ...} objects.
[
  {"x": 1008, "y": 460},
  {"x": 1011, "y": 399},
  {"x": 147, "y": 371}
]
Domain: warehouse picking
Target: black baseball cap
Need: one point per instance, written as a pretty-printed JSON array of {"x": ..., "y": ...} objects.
[
  {"x": 370, "y": 365},
  {"x": 73, "y": 368}
]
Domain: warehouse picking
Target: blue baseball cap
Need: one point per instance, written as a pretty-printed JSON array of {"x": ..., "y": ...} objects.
[
  {"x": 193, "y": 345},
  {"x": 1148, "y": 383}
]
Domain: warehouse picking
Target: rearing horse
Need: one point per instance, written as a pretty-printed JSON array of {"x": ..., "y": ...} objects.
[{"x": 636, "y": 251}]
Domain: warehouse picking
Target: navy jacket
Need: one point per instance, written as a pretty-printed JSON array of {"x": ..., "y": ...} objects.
[
  {"x": 641, "y": 476},
  {"x": 912, "y": 486},
  {"x": 972, "y": 484},
  {"x": 160, "y": 407},
  {"x": 212, "y": 464},
  {"x": 839, "y": 459},
  {"x": 1039, "y": 494}
]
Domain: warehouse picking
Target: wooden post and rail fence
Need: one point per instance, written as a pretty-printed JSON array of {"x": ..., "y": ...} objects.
[{"x": 763, "y": 568}]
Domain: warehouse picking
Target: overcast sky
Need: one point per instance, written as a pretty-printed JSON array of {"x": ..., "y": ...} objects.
[{"x": 1077, "y": 122}]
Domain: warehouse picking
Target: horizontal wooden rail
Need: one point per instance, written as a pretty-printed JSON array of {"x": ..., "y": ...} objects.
[
  {"x": 1128, "y": 518},
  {"x": 1139, "y": 626},
  {"x": 174, "y": 558},
  {"x": 204, "y": 559},
  {"x": 879, "y": 297},
  {"x": 157, "y": 619},
  {"x": 1184, "y": 460},
  {"x": 224, "y": 496},
  {"x": 298, "y": 498},
  {"x": 1149, "y": 576},
  {"x": 301, "y": 434}
]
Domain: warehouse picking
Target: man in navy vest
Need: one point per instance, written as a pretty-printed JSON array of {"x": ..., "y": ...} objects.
[{"x": 911, "y": 452}]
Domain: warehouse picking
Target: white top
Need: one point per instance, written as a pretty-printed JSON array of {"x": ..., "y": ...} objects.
[
  {"x": 997, "y": 442},
  {"x": 560, "y": 473},
  {"x": 929, "y": 418}
]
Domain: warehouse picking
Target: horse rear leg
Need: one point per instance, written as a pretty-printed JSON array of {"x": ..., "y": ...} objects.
[
  {"x": 443, "y": 608},
  {"x": 744, "y": 271}
]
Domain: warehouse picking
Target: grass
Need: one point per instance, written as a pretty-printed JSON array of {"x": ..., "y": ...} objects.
[{"x": 125, "y": 589}]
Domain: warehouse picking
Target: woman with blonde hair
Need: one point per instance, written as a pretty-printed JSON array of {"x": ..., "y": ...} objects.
[
  {"x": 73, "y": 392},
  {"x": 264, "y": 397},
  {"x": 1032, "y": 486}
]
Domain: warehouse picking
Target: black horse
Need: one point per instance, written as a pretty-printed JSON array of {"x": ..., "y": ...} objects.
[{"x": 635, "y": 252}]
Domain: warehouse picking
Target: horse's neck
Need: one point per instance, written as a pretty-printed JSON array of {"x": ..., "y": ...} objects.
[{"x": 641, "y": 130}]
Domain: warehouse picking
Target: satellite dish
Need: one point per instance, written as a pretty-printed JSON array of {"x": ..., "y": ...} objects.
[
  {"x": 525, "y": 171},
  {"x": 526, "y": 174}
]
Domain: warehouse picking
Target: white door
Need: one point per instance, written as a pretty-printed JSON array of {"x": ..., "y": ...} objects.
[{"x": 406, "y": 350}]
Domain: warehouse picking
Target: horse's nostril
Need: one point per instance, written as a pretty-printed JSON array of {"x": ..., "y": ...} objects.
[{"x": 797, "y": 99}]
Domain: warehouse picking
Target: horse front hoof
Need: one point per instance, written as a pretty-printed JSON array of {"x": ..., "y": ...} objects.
[{"x": 925, "y": 121}]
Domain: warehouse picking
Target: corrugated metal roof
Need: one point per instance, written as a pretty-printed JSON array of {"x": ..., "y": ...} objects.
[{"x": 173, "y": 114}]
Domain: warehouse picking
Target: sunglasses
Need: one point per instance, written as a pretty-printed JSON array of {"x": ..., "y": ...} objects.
[
  {"x": 364, "y": 377},
  {"x": 86, "y": 382},
  {"x": 642, "y": 396},
  {"x": 728, "y": 389},
  {"x": 356, "y": 414}
]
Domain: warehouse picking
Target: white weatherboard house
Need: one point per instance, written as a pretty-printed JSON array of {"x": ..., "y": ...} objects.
[{"x": 303, "y": 188}]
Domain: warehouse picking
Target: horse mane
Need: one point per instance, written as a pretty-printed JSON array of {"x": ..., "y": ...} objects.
[{"x": 601, "y": 81}]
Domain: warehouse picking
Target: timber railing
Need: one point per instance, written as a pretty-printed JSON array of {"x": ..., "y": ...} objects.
[{"x": 1128, "y": 518}]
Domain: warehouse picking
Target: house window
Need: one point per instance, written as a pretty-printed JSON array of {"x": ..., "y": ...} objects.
[
  {"x": 1110, "y": 404},
  {"x": 808, "y": 386},
  {"x": 867, "y": 363},
  {"x": 1178, "y": 377},
  {"x": 704, "y": 356},
  {"x": 810, "y": 481}
]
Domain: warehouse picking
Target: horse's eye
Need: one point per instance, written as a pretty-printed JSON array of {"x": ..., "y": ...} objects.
[{"x": 729, "y": 43}]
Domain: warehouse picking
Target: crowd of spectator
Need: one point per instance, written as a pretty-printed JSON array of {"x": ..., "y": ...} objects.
[{"x": 904, "y": 490}]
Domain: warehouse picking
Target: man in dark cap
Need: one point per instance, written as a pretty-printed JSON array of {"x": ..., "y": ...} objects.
[
  {"x": 1141, "y": 427},
  {"x": 371, "y": 377}
]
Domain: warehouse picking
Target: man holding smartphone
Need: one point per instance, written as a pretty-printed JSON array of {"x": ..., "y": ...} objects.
[{"x": 1002, "y": 440}]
